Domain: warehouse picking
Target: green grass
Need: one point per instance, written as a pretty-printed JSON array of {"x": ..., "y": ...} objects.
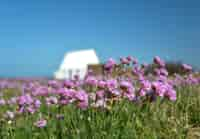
[{"x": 162, "y": 119}]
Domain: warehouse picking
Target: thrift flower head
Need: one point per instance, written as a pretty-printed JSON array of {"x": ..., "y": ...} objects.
[
  {"x": 31, "y": 109},
  {"x": 25, "y": 99},
  {"x": 2, "y": 102},
  {"x": 100, "y": 94},
  {"x": 41, "y": 123},
  {"x": 130, "y": 96},
  {"x": 145, "y": 85},
  {"x": 124, "y": 61},
  {"x": 125, "y": 85},
  {"x": 137, "y": 71},
  {"x": 37, "y": 103},
  {"x": 142, "y": 92},
  {"x": 68, "y": 84},
  {"x": 159, "y": 61},
  {"x": 159, "y": 88},
  {"x": 187, "y": 67},
  {"x": 163, "y": 72},
  {"x": 101, "y": 84},
  {"x": 129, "y": 58},
  {"x": 135, "y": 61},
  {"x": 41, "y": 91},
  {"x": 116, "y": 92},
  {"x": 110, "y": 64},
  {"x": 81, "y": 95},
  {"x": 111, "y": 84},
  {"x": 91, "y": 80},
  {"x": 82, "y": 99},
  {"x": 51, "y": 100},
  {"x": 53, "y": 84},
  {"x": 171, "y": 94}
]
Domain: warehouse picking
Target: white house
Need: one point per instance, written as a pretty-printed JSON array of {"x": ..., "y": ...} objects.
[{"x": 76, "y": 63}]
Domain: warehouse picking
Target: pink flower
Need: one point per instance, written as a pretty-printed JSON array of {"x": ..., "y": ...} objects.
[
  {"x": 130, "y": 96},
  {"x": 101, "y": 84},
  {"x": 51, "y": 100},
  {"x": 2, "y": 102},
  {"x": 64, "y": 101},
  {"x": 162, "y": 78},
  {"x": 145, "y": 85},
  {"x": 171, "y": 94},
  {"x": 129, "y": 58},
  {"x": 81, "y": 96},
  {"x": 135, "y": 61},
  {"x": 116, "y": 92},
  {"x": 37, "y": 103},
  {"x": 91, "y": 80},
  {"x": 66, "y": 92},
  {"x": 41, "y": 91},
  {"x": 41, "y": 123},
  {"x": 61, "y": 91},
  {"x": 82, "y": 99},
  {"x": 68, "y": 84},
  {"x": 163, "y": 72},
  {"x": 142, "y": 92},
  {"x": 21, "y": 109},
  {"x": 53, "y": 84},
  {"x": 100, "y": 94},
  {"x": 25, "y": 99},
  {"x": 137, "y": 71},
  {"x": 111, "y": 84},
  {"x": 187, "y": 67},
  {"x": 159, "y": 61},
  {"x": 157, "y": 71},
  {"x": 124, "y": 61},
  {"x": 22, "y": 100},
  {"x": 144, "y": 65},
  {"x": 110, "y": 64},
  {"x": 31, "y": 109},
  {"x": 159, "y": 88},
  {"x": 126, "y": 84}
]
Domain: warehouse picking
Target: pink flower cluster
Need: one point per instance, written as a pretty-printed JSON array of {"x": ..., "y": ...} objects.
[{"x": 96, "y": 91}]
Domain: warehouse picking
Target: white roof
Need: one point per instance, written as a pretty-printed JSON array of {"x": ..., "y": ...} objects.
[
  {"x": 76, "y": 63},
  {"x": 79, "y": 59}
]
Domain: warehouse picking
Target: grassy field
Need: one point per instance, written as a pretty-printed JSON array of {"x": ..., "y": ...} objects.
[{"x": 161, "y": 119}]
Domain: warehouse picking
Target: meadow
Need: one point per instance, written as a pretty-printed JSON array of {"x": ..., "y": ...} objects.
[{"x": 109, "y": 106}]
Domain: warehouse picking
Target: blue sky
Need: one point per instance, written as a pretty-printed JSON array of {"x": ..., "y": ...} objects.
[{"x": 35, "y": 35}]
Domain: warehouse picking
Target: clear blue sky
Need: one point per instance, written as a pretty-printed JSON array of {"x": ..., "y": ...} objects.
[{"x": 35, "y": 34}]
